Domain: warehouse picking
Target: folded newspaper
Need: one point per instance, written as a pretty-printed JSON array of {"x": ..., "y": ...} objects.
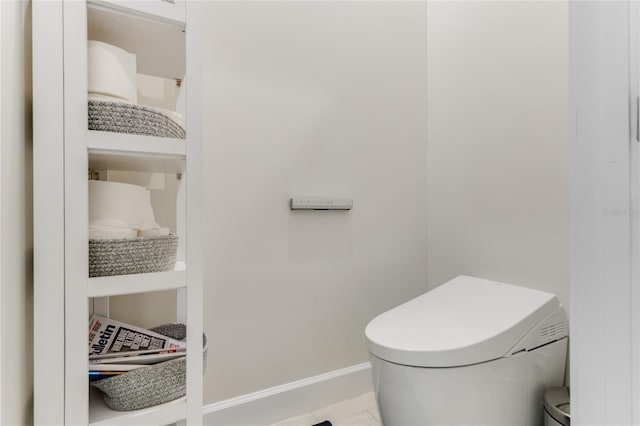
[{"x": 110, "y": 339}]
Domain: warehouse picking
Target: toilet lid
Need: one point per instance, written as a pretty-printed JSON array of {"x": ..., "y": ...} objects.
[{"x": 464, "y": 321}]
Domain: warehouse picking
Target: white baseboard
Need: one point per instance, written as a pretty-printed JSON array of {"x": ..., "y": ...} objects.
[{"x": 279, "y": 403}]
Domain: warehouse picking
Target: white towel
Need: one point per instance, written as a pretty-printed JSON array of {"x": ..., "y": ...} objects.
[
  {"x": 111, "y": 71},
  {"x": 123, "y": 202},
  {"x": 108, "y": 233},
  {"x": 108, "y": 98},
  {"x": 104, "y": 229},
  {"x": 155, "y": 232},
  {"x": 109, "y": 223}
]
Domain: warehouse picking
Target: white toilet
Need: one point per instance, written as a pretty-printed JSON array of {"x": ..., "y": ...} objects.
[{"x": 470, "y": 352}]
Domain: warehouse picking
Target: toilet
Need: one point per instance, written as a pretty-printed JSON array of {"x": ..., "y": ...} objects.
[{"x": 469, "y": 352}]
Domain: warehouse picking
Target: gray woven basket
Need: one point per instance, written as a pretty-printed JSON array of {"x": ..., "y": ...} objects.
[
  {"x": 152, "y": 385},
  {"x": 130, "y": 118},
  {"x": 132, "y": 255}
]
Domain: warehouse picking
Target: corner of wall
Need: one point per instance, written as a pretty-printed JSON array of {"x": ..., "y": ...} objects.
[{"x": 16, "y": 252}]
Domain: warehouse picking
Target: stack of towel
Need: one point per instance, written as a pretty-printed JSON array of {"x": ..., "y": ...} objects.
[
  {"x": 112, "y": 77},
  {"x": 120, "y": 210}
]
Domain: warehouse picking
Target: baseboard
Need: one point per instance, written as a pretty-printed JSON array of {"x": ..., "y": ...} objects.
[{"x": 279, "y": 403}]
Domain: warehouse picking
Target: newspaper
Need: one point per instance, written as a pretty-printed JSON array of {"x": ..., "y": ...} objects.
[
  {"x": 109, "y": 338},
  {"x": 136, "y": 359}
]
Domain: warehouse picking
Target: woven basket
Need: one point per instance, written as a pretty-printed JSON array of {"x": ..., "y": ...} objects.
[
  {"x": 132, "y": 255},
  {"x": 130, "y": 118},
  {"x": 152, "y": 385}
]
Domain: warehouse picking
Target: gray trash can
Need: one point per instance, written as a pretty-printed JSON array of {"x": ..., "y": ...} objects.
[{"x": 557, "y": 409}]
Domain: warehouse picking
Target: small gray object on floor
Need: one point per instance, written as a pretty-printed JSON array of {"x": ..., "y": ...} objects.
[
  {"x": 135, "y": 119},
  {"x": 152, "y": 385}
]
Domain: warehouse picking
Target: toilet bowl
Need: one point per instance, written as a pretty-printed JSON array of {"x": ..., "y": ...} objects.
[{"x": 470, "y": 352}]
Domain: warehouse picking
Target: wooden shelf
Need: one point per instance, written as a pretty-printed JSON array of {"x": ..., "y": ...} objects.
[
  {"x": 122, "y": 151},
  {"x": 138, "y": 283},
  {"x": 101, "y": 415},
  {"x": 141, "y": 27}
]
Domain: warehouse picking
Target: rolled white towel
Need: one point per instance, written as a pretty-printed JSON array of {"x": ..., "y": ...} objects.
[
  {"x": 147, "y": 225},
  {"x": 155, "y": 232},
  {"x": 111, "y": 71},
  {"x": 109, "y": 223},
  {"x": 108, "y": 98},
  {"x": 111, "y": 233},
  {"x": 120, "y": 201}
]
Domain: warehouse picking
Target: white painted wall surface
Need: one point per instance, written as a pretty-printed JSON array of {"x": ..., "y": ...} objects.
[
  {"x": 16, "y": 322},
  {"x": 498, "y": 143},
  {"x": 309, "y": 99},
  {"x": 1, "y": 126},
  {"x": 604, "y": 294}
]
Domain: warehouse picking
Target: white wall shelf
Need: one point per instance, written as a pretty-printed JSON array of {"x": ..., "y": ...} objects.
[
  {"x": 101, "y": 415},
  {"x": 114, "y": 160},
  {"x": 138, "y": 283},
  {"x": 135, "y": 144},
  {"x": 121, "y": 151},
  {"x": 63, "y": 151}
]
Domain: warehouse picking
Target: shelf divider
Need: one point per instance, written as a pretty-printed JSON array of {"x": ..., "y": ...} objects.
[
  {"x": 128, "y": 143},
  {"x": 122, "y": 151},
  {"x": 138, "y": 283}
]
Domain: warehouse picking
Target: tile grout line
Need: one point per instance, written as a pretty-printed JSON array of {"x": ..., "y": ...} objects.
[
  {"x": 374, "y": 416},
  {"x": 323, "y": 414}
]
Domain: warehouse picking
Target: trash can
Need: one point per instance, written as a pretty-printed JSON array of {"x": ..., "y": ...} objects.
[{"x": 557, "y": 408}]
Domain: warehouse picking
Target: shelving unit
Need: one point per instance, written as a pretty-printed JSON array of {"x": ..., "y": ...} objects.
[{"x": 166, "y": 40}]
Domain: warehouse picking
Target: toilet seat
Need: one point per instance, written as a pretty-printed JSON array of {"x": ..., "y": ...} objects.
[{"x": 466, "y": 321}]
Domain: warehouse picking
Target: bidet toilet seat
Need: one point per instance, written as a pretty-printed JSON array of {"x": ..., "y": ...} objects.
[
  {"x": 470, "y": 352},
  {"x": 466, "y": 321}
]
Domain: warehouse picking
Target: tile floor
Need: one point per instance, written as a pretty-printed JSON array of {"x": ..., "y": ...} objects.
[{"x": 358, "y": 411}]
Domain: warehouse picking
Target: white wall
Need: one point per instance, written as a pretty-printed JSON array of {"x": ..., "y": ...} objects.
[
  {"x": 605, "y": 233},
  {"x": 16, "y": 282},
  {"x": 498, "y": 143},
  {"x": 310, "y": 99}
]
